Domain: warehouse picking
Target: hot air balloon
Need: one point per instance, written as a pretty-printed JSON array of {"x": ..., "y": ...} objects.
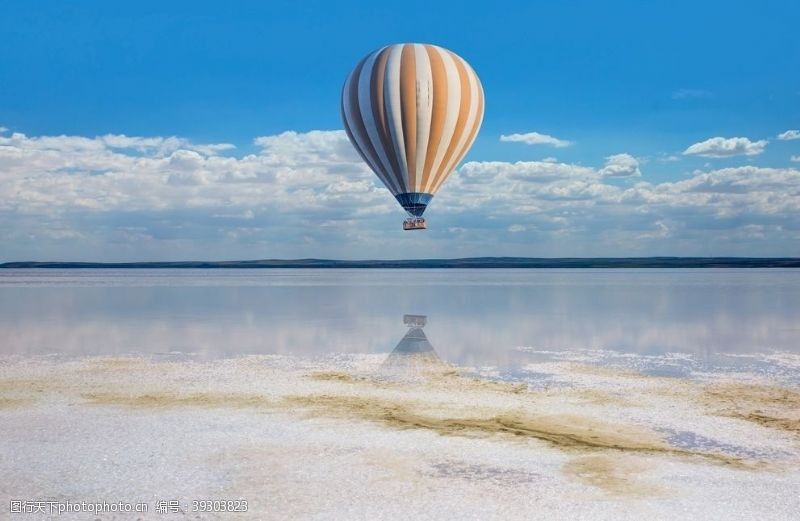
[{"x": 412, "y": 111}]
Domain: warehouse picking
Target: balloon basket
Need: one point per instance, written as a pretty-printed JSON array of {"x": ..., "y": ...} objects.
[
  {"x": 415, "y": 320},
  {"x": 415, "y": 223}
]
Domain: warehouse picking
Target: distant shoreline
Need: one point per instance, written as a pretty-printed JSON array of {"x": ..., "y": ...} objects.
[{"x": 472, "y": 262}]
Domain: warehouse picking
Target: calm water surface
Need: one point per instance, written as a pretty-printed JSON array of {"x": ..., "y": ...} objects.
[{"x": 497, "y": 318}]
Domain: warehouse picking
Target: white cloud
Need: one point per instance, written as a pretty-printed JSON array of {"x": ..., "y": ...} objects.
[
  {"x": 789, "y": 135},
  {"x": 621, "y": 165},
  {"x": 754, "y": 231},
  {"x": 691, "y": 94},
  {"x": 3, "y": 130},
  {"x": 537, "y": 171},
  {"x": 160, "y": 146},
  {"x": 112, "y": 173},
  {"x": 329, "y": 146},
  {"x": 744, "y": 190},
  {"x": 661, "y": 231},
  {"x": 246, "y": 215},
  {"x": 726, "y": 147},
  {"x": 796, "y": 159},
  {"x": 535, "y": 138},
  {"x": 305, "y": 194}
]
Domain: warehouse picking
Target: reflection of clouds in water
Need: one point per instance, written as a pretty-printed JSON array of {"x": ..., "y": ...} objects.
[
  {"x": 638, "y": 332},
  {"x": 207, "y": 338},
  {"x": 481, "y": 316},
  {"x": 459, "y": 341}
]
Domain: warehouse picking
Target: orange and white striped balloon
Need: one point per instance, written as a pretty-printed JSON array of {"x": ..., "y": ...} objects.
[{"x": 412, "y": 111}]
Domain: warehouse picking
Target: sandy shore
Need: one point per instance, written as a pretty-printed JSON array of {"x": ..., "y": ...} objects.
[{"x": 366, "y": 436}]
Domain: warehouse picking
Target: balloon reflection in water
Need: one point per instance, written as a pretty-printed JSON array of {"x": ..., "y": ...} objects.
[{"x": 414, "y": 353}]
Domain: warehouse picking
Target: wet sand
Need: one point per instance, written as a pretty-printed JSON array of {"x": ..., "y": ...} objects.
[{"x": 363, "y": 436}]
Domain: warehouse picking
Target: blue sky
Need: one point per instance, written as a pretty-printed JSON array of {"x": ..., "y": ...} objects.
[{"x": 630, "y": 85}]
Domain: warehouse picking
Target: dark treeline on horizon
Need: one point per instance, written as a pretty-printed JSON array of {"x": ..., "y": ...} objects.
[{"x": 472, "y": 262}]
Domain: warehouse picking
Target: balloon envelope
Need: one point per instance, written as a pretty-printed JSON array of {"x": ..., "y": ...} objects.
[{"x": 412, "y": 111}]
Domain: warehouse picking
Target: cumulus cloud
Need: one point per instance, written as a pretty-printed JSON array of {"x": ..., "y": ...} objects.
[
  {"x": 110, "y": 172},
  {"x": 535, "y": 138},
  {"x": 327, "y": 146},
  {"x": 160, "y": 146},
  {"x": 726, "y": 147},
  {"x": 302, "y": 194},
  {"x": 535, "y": 171},
  {"x": 742, "y": 191},
  {"x": 789, "y": 135},
  {"x": 621, "y": 165},
  {"x": 661, "y": 231}
]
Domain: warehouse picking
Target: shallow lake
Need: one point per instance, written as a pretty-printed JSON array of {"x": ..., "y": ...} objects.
[
  {"x": 596, "y": 394},
  {"x": 481, "y": 318}
]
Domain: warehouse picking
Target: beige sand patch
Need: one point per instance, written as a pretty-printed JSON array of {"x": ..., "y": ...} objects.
[
  {"x": 614, "y": 475},
  {"x": 771, "y": 406},
  {"x": 13, "y": 403},
  {"x": 168, "y": 399}
]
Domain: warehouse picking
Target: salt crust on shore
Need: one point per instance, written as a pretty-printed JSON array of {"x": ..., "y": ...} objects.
[{"x": 359, "y": 437}]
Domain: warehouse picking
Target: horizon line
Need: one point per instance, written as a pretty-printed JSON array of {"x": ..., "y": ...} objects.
[{"x": 456, "y": 262}]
